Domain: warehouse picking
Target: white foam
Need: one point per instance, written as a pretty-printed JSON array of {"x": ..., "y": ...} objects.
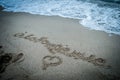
[{"x": 93, "y": 16}]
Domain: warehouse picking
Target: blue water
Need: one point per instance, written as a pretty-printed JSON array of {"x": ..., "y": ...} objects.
[{"x": 101, "y": 15}]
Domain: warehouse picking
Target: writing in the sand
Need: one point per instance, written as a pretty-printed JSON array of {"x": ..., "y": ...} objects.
[{"x": 61, "y": 49}]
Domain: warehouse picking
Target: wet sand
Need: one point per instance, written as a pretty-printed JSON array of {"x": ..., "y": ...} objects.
[{"x": 55, "y": 48}]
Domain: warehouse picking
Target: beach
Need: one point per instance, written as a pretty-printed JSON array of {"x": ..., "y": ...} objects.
[{"x": 50, "y": 45}]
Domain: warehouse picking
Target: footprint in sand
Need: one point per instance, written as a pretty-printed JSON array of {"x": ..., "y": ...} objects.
[{"x": 8, "y": 58}]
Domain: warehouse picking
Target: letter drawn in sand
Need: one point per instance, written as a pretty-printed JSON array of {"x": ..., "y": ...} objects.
[
  {"x": 20, "y": 35},
  {"x": 28, "y": 36},
  {"x": 31, "y": 38}
]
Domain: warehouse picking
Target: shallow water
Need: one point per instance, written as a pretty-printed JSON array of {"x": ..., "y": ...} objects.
[{"x": 101, "y": 15}]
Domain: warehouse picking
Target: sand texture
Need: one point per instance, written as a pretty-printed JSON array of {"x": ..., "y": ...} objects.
[{"x": 34, "y": 47}]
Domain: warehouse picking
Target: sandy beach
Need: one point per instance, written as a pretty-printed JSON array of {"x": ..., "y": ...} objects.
[{"x": 56, "y": 48}]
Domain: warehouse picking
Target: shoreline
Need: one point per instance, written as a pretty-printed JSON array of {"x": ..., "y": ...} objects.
[
  {"x": 67, "y": 32},
  {"x": 75, "y": 20}
]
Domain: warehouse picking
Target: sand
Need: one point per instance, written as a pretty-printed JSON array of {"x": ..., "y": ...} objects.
[{"x": 57, "y": 48}]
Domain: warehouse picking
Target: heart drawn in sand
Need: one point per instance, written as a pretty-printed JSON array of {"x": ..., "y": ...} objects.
[{"x": 51, "y": 61}]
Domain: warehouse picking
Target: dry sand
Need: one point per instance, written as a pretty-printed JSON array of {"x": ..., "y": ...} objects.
[{"x": 44, "y": 63}]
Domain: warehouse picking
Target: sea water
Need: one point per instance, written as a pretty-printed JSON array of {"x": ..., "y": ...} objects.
[{"x": 101, "y": 15}]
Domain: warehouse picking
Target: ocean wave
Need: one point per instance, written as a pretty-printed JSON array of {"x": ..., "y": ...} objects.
[{"x": 96, "y": 15}]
